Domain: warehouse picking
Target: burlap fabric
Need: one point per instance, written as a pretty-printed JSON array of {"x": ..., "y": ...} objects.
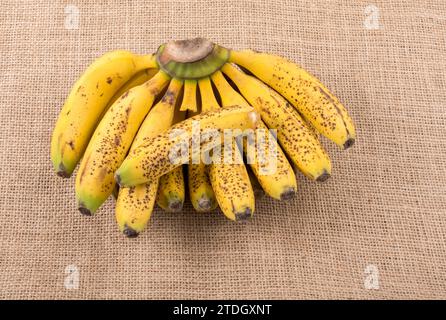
[{"x": 382, "y": 214}]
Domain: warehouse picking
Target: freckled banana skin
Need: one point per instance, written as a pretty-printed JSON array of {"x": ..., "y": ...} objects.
[
  {"x": 232, "y": 187},
  {"x": 234, "y": 204},
  {"x": 151, "y": 159},
  {"x": 279, "y": 183},
  {"x": 171, "y": 191},
  {"x": 86, "y": 103},
  {"x": 138, "y": 79},
  {"x": 201, "y": 193},
  {"x": 297, "y": 139},
  {"x": 111, "y": 141},
  {"x": 306, "y": 93},
  {"x": 134, "y": 205}
]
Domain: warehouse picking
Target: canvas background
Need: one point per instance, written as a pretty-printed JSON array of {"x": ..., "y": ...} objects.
[{"x": 384, "y": 206}]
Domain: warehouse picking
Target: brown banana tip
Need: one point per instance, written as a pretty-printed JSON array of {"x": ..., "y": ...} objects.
[
  {"x": 254, "y": 117},
  {"x": 288, "y": 194},
  {"x": 62, "y": 172},
  {"x": 323, "y": 177},
  {"x": 204, "y": 204},
  {"x": 129, "y": 232},
  {"x": 175, "y": 205},
  {"x": 243, "y": 216},
  {"x": 349, "y": 143},
  {"x": 84, "y": 211}
]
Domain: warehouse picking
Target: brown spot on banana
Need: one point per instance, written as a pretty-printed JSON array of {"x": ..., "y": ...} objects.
[
  {"x": 102, "y": 173},
  {"x": 334, "y": 103},
  {"x": 82, "y": 173},
  {"x": 117, "y": 141},
  {"x": 125, "y": 94},
  {"x": 169, "y": 97}
]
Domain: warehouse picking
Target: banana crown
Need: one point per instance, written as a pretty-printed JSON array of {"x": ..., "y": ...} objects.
[{"x": 191, "y": 59}]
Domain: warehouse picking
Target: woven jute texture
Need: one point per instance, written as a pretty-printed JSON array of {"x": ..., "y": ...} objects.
[{"x": 375, "y": 230}]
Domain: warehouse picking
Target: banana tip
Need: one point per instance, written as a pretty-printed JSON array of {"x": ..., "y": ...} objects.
[
  {"x": 84, "y": 211},
  {"x": 62, "y": 172},
  {"x": 288, "y": 194},
  {"x": 349, "y": 143},
  {"x": 129, "y": 232},
  {"x": 204, "y": 204},
  {"x": 175, "y": 205},
  {"x": 244, "y": 215},
  {"x": 323, "y": 177}
]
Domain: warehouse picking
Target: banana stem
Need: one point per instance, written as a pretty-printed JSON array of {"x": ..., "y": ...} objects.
[{"x": 191, "y": 59}]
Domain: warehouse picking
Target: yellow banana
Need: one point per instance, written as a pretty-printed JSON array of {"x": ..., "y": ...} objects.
[
  {"x": 159, "y": 155},
  {"x": 111, "y": 141},
  {"x": 134, "y": 207},
  {"x": 190, "y": 96},
  {"x": 307, "y": 94},
  {"x": 135, "y": 204},
  {"x": 86, "y": 103},
  {"x": 208, "y": 100},
  {"x": 230, "y": 180},
  {"x": 232, "y": 187},
  {"x": 295, "y": 136},
  {"x": 201, "y": 193},
  {"x": 138, "y": 79},
  {"x": 171, "y": 191},
  {"x": 274, "y": 172}
]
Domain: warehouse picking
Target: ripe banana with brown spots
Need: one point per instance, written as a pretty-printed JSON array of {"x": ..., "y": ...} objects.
[
  {"x": 134, "y": 205},
  {"x": 111, "y": 142},
  {"x": 201, "y": 193},
  {"x": 160, "y": 155},
  {"x": 86, "y": 103},
  {"x": 306, "y": 93},
  {"x": 272, "y": 169},
  {"x": 237, "y": 200},
  {"x": 138, "y": 79},
  {"x": 297, "y": 139},
  {"x": 231, "y": 185},
  {"x": 171, "y": 190}
]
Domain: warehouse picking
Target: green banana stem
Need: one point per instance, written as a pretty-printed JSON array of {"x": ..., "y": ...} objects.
[{"x": 191, "y": 59}]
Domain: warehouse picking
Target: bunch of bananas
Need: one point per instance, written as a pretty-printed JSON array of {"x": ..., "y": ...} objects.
[{"x": 121, "y": 116}]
